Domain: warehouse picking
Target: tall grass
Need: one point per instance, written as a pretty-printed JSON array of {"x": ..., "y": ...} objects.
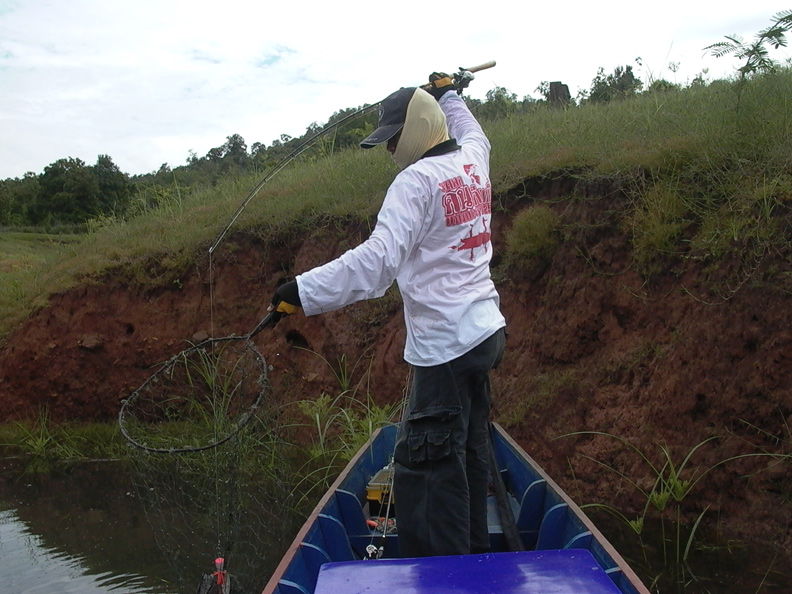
[
  {"x": 672, "y": 498},
  {"x": 691, "y": 129},
  {"x": 726, "y": 169},
  {"x": 339, "y": 423},
  {"x": 45, "y": 443},
  {"x": 25, "y": 261}
]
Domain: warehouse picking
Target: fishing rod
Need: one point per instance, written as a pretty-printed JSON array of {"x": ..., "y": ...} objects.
[{"x": 461, "y": 79}]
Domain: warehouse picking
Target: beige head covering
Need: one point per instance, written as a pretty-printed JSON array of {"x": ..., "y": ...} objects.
[{"x": 424, "y": 128}]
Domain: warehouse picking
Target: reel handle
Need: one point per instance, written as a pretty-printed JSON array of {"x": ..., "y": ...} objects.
[{"x": 478, "y": 68}]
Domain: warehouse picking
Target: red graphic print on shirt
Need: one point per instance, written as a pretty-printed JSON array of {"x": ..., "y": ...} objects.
[
  {"x": 471, "y": 242},
  {"x": 465, "y": 200}
]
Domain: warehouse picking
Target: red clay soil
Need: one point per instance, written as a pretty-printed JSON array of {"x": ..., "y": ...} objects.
[{"x": 696, "y": 351}]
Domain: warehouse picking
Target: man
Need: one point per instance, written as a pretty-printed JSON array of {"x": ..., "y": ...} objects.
[{"x": 433, "y": 237}]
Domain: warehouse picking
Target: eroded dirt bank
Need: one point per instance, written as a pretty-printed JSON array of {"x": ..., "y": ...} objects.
[{"x": 695, "y": 352}]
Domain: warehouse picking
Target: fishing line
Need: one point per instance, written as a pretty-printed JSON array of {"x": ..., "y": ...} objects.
[
  {"x": 196, "y": 404},
  {"x": 223, "y": 380},
  {"x": 305, "y": 145},
  {"x": 461, "y": 79},
  {"x": 162, "y": 402},
  {"x": 372, "y": 550}
]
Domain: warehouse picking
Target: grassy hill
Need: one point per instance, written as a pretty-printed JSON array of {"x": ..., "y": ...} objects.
[{"x": 706, "y": 169}]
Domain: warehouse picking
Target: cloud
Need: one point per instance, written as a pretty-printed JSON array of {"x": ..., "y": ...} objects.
[
  {"x": 150, "y": 80},
  {"x": 275, "y": 56}
]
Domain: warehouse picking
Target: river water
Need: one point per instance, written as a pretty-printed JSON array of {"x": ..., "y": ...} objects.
[
  {"x": 91, "y": 529},
  {"x": 96, "y": 528}
]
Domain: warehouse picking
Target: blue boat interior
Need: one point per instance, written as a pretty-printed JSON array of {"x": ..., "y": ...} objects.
[{"x": 543, "y": 517}]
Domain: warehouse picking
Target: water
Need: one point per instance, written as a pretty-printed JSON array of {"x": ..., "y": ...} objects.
[
  {"x": 77, "y": 530},
  {"x": 31, "y": 566},
  {"x": 86, "y": 529}
]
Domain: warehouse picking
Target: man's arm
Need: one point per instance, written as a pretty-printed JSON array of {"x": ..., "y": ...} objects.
[{"x": 462, "y": 125}]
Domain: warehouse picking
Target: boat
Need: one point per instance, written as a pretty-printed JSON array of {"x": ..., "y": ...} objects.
[{"x": 349, "y": 543}]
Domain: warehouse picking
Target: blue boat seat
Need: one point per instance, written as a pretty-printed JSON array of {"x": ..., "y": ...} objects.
[
  {"x": 552, "y": 528},
  {"x": 351, "y": 512},
  {"x": 335, "y": 538},
  {"x": 531, "y": 511},
  {"x": 582, "y": 540},
  {"x": 300, "y": 578},
  {"x": 314, "y": 556},
  {"x": 532, "y": 505}
]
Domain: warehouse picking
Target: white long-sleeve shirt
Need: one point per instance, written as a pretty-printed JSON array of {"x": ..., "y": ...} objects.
[{"x": 433, "y": 237}]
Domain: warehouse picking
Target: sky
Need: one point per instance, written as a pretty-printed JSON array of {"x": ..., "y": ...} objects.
[{"x": 150, "y": 81}]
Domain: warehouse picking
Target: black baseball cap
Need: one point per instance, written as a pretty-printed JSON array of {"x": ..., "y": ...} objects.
[{"x": 392, "y": 114}]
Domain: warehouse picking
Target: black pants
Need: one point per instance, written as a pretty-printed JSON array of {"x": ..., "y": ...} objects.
[{"x": 442, "y": 456}]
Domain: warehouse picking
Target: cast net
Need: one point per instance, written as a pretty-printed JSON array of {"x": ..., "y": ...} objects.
[
  {"x": 198, "y": 399},
  {"x": 208, "y": 466}
]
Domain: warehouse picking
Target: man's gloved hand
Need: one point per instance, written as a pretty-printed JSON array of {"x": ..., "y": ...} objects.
[
  {"x": 439, "y": 84},
  {"x": 286, "y": 300}
]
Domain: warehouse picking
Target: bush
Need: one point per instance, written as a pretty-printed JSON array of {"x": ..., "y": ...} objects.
[{"x": 533, "y": 239}]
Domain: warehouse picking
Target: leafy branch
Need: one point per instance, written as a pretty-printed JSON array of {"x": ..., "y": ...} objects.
[{"x": 757, "y": 53}]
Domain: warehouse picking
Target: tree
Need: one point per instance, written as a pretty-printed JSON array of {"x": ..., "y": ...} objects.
[
  {"x": 756, "y": 54},
  {"x": 500, "y": 103},
  {"x": 619, "y": 85},
  {"x": 661, "y": 85},
  {"x": 257, "y": 148},
  {"x": 234, "y": 151},
  {"x": 6, "y": 200},
  {"x": 68, "y": 193},
  {"x": 555, "y": 94},
  {"x": 17, "y": 196},
  {"x": 356, "y": 129},
  {"x": 215, "y": 155},
  {"x": 115, "y": 189}
]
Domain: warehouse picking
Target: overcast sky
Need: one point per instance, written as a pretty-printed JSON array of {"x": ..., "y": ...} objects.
[{"x": 148, "y": 81}]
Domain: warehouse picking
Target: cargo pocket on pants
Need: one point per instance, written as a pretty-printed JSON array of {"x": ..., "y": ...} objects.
[{"x": 429, "y": 446}]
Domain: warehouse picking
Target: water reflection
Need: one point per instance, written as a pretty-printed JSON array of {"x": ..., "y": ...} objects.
[
  {"x": 75, "y": 530},
  {"x": 32, "y": 567},
  {"x": 88, "y": 528}
]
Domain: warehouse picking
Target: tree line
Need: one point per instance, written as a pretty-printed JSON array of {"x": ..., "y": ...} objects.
[{"x": 71, "y": 192}]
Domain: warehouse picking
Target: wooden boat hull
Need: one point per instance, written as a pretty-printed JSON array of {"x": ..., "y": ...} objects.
[{"x": 563, "y": 550}]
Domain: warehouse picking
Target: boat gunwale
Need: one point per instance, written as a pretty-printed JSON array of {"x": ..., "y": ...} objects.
[
  {"x": 294, "y": 547},
  {"x": 623, "y": 566},
  {"x": 627, "y": 572}
]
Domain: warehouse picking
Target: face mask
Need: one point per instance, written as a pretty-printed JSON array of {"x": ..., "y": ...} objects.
[{"x": 424, "y": 128}]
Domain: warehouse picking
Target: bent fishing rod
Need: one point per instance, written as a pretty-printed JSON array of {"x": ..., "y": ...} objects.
[{"x": 465, "y": 75}]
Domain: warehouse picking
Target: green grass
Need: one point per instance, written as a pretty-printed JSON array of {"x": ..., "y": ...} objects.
[
  {"x": 703, "y": 177},
  {"x": 45, "y": 443},
  {"x": 26, "y": 261},
  {"x": 671, "y": 501},
  {"x": 533, "y": 238}
]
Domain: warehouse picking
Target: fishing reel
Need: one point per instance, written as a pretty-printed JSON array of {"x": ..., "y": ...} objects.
[
  {"x": 374, "y": 552},
  {"x": 462, "y": 79}
]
